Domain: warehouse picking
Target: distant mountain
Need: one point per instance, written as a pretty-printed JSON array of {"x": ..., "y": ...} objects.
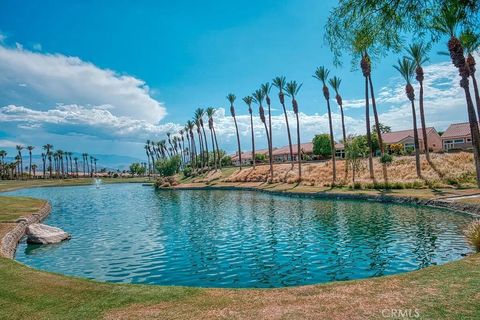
[{"x": 109, "y": 161}]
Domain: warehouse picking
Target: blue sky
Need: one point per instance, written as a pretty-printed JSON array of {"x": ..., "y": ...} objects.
[{"x": 103, "y": 76}]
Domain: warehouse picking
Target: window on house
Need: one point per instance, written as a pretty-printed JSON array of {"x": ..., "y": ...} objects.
[{"x": 458, "y": 141}]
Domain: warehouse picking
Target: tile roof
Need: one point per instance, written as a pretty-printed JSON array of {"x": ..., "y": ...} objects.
[
  {"x": 457, "y": 130},
  {"x": 397, "y": 136},
  {"x": 248, "y": 154}
]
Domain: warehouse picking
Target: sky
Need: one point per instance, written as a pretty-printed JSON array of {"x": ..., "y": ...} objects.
[{"x": 104, "y": 76}]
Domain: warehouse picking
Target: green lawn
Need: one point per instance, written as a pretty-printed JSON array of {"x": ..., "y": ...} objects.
[{"x": 11, "y": 208}]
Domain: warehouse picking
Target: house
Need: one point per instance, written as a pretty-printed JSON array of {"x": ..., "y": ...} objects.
[
  {"x": 406, "y": 138},
  {"x": 247, "y": 157},
  {"x": 283, "y": 154},
  {"x": 457, "y": 137}
]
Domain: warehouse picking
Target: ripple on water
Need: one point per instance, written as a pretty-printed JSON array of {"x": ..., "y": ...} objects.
[{"x": 130, "y": 233}]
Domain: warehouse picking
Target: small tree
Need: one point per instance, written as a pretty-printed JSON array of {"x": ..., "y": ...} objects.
[
  {"x": 355, "y": 150},
  {"x": 321, "y": 145},
  {"x": 383, "y": 128},
  {"x": 137, "y": 169},
  {"x": 168, "y": 167}
]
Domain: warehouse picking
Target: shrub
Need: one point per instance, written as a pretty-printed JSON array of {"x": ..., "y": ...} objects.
[
  {"x": 321, "y": 145},
  {"x": 473, "y": 234},
  {"x": 226, "y": 161},
  {"x": 187, "y": 172},
  {"x": 168, "y": 167},
  {"x": 386, "y": 158}
]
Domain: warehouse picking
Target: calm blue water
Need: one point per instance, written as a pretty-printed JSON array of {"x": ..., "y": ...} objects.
[{"x": 132, "y": 233}]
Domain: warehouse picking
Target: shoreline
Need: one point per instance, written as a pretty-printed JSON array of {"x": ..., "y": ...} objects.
[{"x": 9, "y": 242}]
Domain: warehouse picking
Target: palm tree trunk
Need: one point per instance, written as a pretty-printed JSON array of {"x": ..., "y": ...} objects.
[
  {"x": 30, "y": 165},
  {"x": 213, "y": 150},
  {"x": 379, "y": 133},
  {"x": 253, "y": 141},
  {"x": 332, "y": 142},
  {"x": 344, "y": 138},
  {"x": 206, "y": 148},
  {"x": 472, "y": 117},
  {"x": 424, "y": 126},
  {"x": 415, "y": 139},
  {"x": 299, "y": 155},
  {"x": 270, "y": 156},
  {"x": 477, "y": 95},
  {"x": 238, "y": 143},
  {"x": 270, "y": 131},
  {"x": 288, "y": 133},
  {"x": 218, "y": 150},
  {"x": 369, "y": 135}
]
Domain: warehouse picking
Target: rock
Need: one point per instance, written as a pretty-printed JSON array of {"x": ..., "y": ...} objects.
[{"x": 38, "y": 233}]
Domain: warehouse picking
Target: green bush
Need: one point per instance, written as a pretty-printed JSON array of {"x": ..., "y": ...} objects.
[
  {"x": 168, "y": 167},
  {"x": 386, "y": 158},
  {"x": 187, "y": 171},
  {"x": 321, "y": 145}
]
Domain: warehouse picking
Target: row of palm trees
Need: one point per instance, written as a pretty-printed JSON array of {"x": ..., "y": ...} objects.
[
  {"x": 201, "y": 160},
  {"x": 55, "y": 164}
]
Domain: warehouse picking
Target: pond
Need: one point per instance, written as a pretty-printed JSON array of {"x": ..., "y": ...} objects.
[{"x": 134, "y": 234}]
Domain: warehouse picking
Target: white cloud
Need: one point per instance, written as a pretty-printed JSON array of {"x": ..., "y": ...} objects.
[
  {"x": 56, "y": 78},
  {"x": 9, "y": 143}
]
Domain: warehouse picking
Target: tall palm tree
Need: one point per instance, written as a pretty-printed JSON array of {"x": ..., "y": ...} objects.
[
  {"x": 335, "y": 84},
  {"x": 48, "y": 147},
  {"x": 188, "y": 153},
  {"x": 193, "y": 147},
  {"x": 447, "y": 22},
  {"x": 200, "y": 142},
  {"x": 292, "y": 89},
  {"x": 34, "y": 169},
  {"x": 231, "y": 98},
  {"x": 417, "y": 52},
  {"x": 30, "y": 148},
  {"x": 66, "y": 162},
  {"x": 44, "y": 160},
  {"x": 3, "y": 154},
  {"x": 84, "y": 160},
  {"x": 259, "y": 95},
  {"x": 76, "y": 166},
  {"x": 199, "y": 114},
  {"x": 91, "y": 166},
  {"x": 95, "y": 163},
  {"x": 210, "y": 112},
  {"x": 19, "y": 150},
  {"x": 248, "y": 100},
  {"x": 322, "y": 74},
  {"x": 366, "y": 69},
  {"x": 266, "y": 87},
  {"x": 280, "y": 82},
  {"x": 216, "y": 141},
  {"x": 406, "y": 68},
  {"x": 471, "y": 43},
  {"x": 71, "y": 164},
  {"x": 182, "y": 146}
]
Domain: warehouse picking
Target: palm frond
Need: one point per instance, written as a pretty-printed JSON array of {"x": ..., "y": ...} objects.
[
  {"x": 248, "y": 100},
  {"x": 406, "y": 68},
  {"x": 321, "y": 74},
  {"x": 266, "y": 87},
  {"x": 231, "y": 98},
  {"x": 417, "y": 52},
  {"x": 292, "y": 88},
  {"x": 335, "y": 83},
  {"x": 280, "y": 82},
  {"x": 258, "y": 96}
]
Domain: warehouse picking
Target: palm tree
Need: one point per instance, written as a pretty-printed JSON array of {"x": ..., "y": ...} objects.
[
  {"x": 3, "y": 154},
  {"x": 34, "y": 169},
  {"x": 366, "y": 69},
  {"x": 406, "y": 68},
  {"x": 266, "y": 87},
  {"x": 84, "y": 160},
  {"x": 446, "y": 22},
  {"x": 231, "y": 98},
  {"x": 216, "y": 141},
  {"x": 418, "y": 54},
  {"x": 199, "y": 114},
  {"x": 182, "y": 145},
  {"x": 71, "y": 163},
  {"x": 44, "y": 159},
  {"x": 76, "y": 165},
  {"x": 30, "y": 148},
  {"x": 200, "y": 142},
  {"x": 91, "y": 166},
  {"x": 292, "y": 89},
  {"x": 95, "y": 163},
  {"x": 322, "y": 74},
  {"x": 280, "y": 82},
  {"x": 335, "y": 84},
  {"x": 248, "y": 100},
  {"x": 193, "y": 148},
  {"x": 48, "y": 147},
  {"x": 259, "y": 95},
  {"x": 471, "y": 43},
  {"x": 210, "y": 112},
  {"x": 19, "y": 149},
  {"x": 188, "y": 152}
]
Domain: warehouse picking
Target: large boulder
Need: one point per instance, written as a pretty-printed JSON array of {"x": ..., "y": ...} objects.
[{"x": 38, "y": 233}]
